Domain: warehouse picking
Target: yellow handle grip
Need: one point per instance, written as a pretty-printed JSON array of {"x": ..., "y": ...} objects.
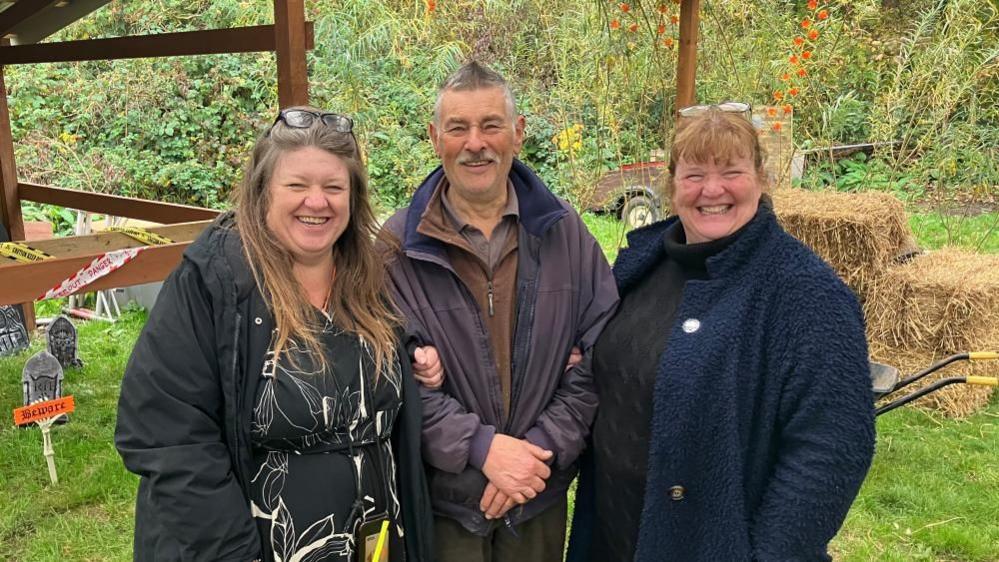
[
  {"x": 983, "y": 355},
  {"x": 983, "y": 381},
  {"x": 380, "y": 546}
]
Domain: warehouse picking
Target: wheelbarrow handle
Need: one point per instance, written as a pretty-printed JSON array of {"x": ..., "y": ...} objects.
[
  {"x": 976, "y": 380},
  {"x": 931, "y": 369},
  {"x": 919, "y": 394}
]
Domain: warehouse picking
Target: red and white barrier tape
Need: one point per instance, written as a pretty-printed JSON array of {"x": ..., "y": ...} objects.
[{"x": 98, "y": 268}]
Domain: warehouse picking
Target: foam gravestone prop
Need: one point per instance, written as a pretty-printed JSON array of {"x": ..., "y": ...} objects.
[
  {"x": 13, "y": 334},
  {"x": 43, "y": 401},
  {"x": 62, "y": 342},
  {"x": 42, "y": 379}
]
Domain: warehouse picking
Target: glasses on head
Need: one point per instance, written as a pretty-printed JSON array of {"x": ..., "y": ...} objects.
[
  {"x": 303, "y": 119},
  {"x": 725, "y": 107}
]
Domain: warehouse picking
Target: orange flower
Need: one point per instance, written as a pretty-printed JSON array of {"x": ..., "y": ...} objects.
[
  {"x": 813, "y": 34},
  {"x": 793, "y": 59},
  {"x": 776, "y": 127},
  {"x": 662, "y": 8},
  {"x": 633, "y": 27},
  {"x": 806, "y": 23},
  {"x": 668, "y": 43},
  {"x": 614, "y": 24},
  {"x": 802, "y": 72},
  {"x": 823, "y": 14},
  {"x": 799, "y": 41},
  {"x": 806, "y": 55},
  {"x": 787, "y": 108},
  {"x": 661, "y": 29},
  {"x": 772, "y": 111},
  {"x": 812, "y": 4},
  {"x": 785, "y": 77},
  {"x": 674, "y": 20},
  {"x": 431, "y": 6},
  {"x": 625, "y": 7},
  {"x": 778, "y": 95},
  {"x": 793, "y": 92}
]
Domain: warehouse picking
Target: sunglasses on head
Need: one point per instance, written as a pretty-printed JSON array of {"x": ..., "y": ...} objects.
[
  {"x": 303, "y": 119},
  {"x": 725, "y": 107}
]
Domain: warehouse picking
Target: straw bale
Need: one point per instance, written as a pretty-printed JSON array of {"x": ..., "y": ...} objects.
[
  {"x": 954, "y": 401},
  {"x": 942, "y": 302},
  {"x": 858, "y": 234}
]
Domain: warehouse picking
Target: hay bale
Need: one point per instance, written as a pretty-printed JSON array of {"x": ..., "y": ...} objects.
[
  {"x": 858, "y": 234},
  {"x": 955, "y": 401},
  {"x": 942, "y": 302}
]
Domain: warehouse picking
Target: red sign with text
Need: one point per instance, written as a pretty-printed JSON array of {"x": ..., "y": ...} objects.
[{"x": 44, "y": 410}]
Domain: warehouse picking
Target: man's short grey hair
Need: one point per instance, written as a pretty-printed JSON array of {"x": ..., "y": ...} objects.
[{"x": 475, "y": 76}]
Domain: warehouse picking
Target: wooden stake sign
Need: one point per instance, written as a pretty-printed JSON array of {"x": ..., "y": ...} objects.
[{"x": 44, "y": 414}]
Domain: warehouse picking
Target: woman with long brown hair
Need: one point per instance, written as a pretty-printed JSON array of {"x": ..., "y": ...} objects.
[{"x": 267, "y": 405}]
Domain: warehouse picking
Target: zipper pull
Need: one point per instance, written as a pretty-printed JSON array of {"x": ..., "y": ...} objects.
[{"x": 489, "y": 296}]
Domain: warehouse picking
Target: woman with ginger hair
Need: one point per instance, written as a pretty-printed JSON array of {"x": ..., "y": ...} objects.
[{"x": 735, "y": 420}]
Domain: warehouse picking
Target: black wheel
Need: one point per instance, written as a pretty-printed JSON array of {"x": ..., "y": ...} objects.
[{"x": 639, "y": 211}]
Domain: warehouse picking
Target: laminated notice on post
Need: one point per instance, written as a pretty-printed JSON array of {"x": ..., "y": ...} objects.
[
  {"x": 142, "y": 235},
  {"x": 98, "y": 268},
  {"x": 22, "y": 252},
  {"x": 44, "y": 410}
]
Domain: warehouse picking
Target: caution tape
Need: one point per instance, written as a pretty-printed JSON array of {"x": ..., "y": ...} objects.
[
  {"x": 98, "y": 268},
  {"x": 22, "y": 252},
  {"x": 142, "y": 235}
]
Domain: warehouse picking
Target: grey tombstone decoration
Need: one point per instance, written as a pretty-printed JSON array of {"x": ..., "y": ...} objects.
[
  {"x": 62, "y": 342},
  {"x": 13, "y": 333},
  {"x": 42, "y": 380}
]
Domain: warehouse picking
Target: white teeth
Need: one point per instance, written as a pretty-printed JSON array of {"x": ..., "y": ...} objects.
[
  {"x": 714, "y": 209},
  {"x": 313, "y": 220}
]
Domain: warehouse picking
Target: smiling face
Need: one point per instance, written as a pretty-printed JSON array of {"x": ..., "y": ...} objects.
[
  {"x": 476, "y": 138},
  {"x": 309, "y": 209},
  {"x": 715, "y": 199}
]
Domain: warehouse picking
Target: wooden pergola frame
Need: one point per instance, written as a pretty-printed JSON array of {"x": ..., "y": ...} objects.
[{"x": 290, "y": 37}]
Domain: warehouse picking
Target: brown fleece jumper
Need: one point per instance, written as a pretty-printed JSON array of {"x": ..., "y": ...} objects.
[{"x": 494, "y": 289}]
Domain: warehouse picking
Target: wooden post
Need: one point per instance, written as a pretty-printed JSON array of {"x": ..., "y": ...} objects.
[
  {"x": 290, "y": 44},
  {"x": 686, "y": 64},
  {"x": 10, "y": 203}
]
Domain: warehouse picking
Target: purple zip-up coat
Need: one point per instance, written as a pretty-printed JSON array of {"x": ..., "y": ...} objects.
[{"x": 565, "y": 295}]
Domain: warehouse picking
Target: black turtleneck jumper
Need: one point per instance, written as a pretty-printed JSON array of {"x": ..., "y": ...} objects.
[{"x": 625, "y": 360}]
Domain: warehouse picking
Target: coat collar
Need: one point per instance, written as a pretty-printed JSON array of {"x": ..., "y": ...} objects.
[
  {"x": 539, "y": 208},
  {"x": 645, "y": 248}
]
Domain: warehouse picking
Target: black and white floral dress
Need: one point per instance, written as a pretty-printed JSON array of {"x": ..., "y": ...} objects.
[{"x": 320, "y": 435}]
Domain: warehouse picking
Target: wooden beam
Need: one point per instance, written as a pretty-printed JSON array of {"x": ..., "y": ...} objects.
[
  {"x": 686, "y": 63},
  {"x": 291, "y": 42},
  {"x": 10, "y": 204},
  {"x": 21, "y": 11},
  {"x": 217, "y": 41},
  {"x": 130, "y": 207},
  {"x": 27, "y": 282},
  {"x": 101, "y": 242}
]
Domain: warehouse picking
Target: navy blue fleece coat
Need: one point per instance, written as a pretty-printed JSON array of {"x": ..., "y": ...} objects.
[{"x": 763, "y": 425}]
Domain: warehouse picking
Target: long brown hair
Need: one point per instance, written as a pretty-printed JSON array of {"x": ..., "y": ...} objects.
[{"x": 359, "y": 301}]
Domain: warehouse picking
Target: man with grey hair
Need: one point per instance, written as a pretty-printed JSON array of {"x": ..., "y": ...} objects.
[{"x": 503, "y": 280}]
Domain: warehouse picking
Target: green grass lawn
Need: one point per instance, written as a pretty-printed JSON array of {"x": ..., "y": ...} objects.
[{"x": 932, "y": 494}]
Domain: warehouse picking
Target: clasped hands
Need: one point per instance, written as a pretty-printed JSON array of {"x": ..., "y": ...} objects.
[{"x": 516, "y": 468}]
